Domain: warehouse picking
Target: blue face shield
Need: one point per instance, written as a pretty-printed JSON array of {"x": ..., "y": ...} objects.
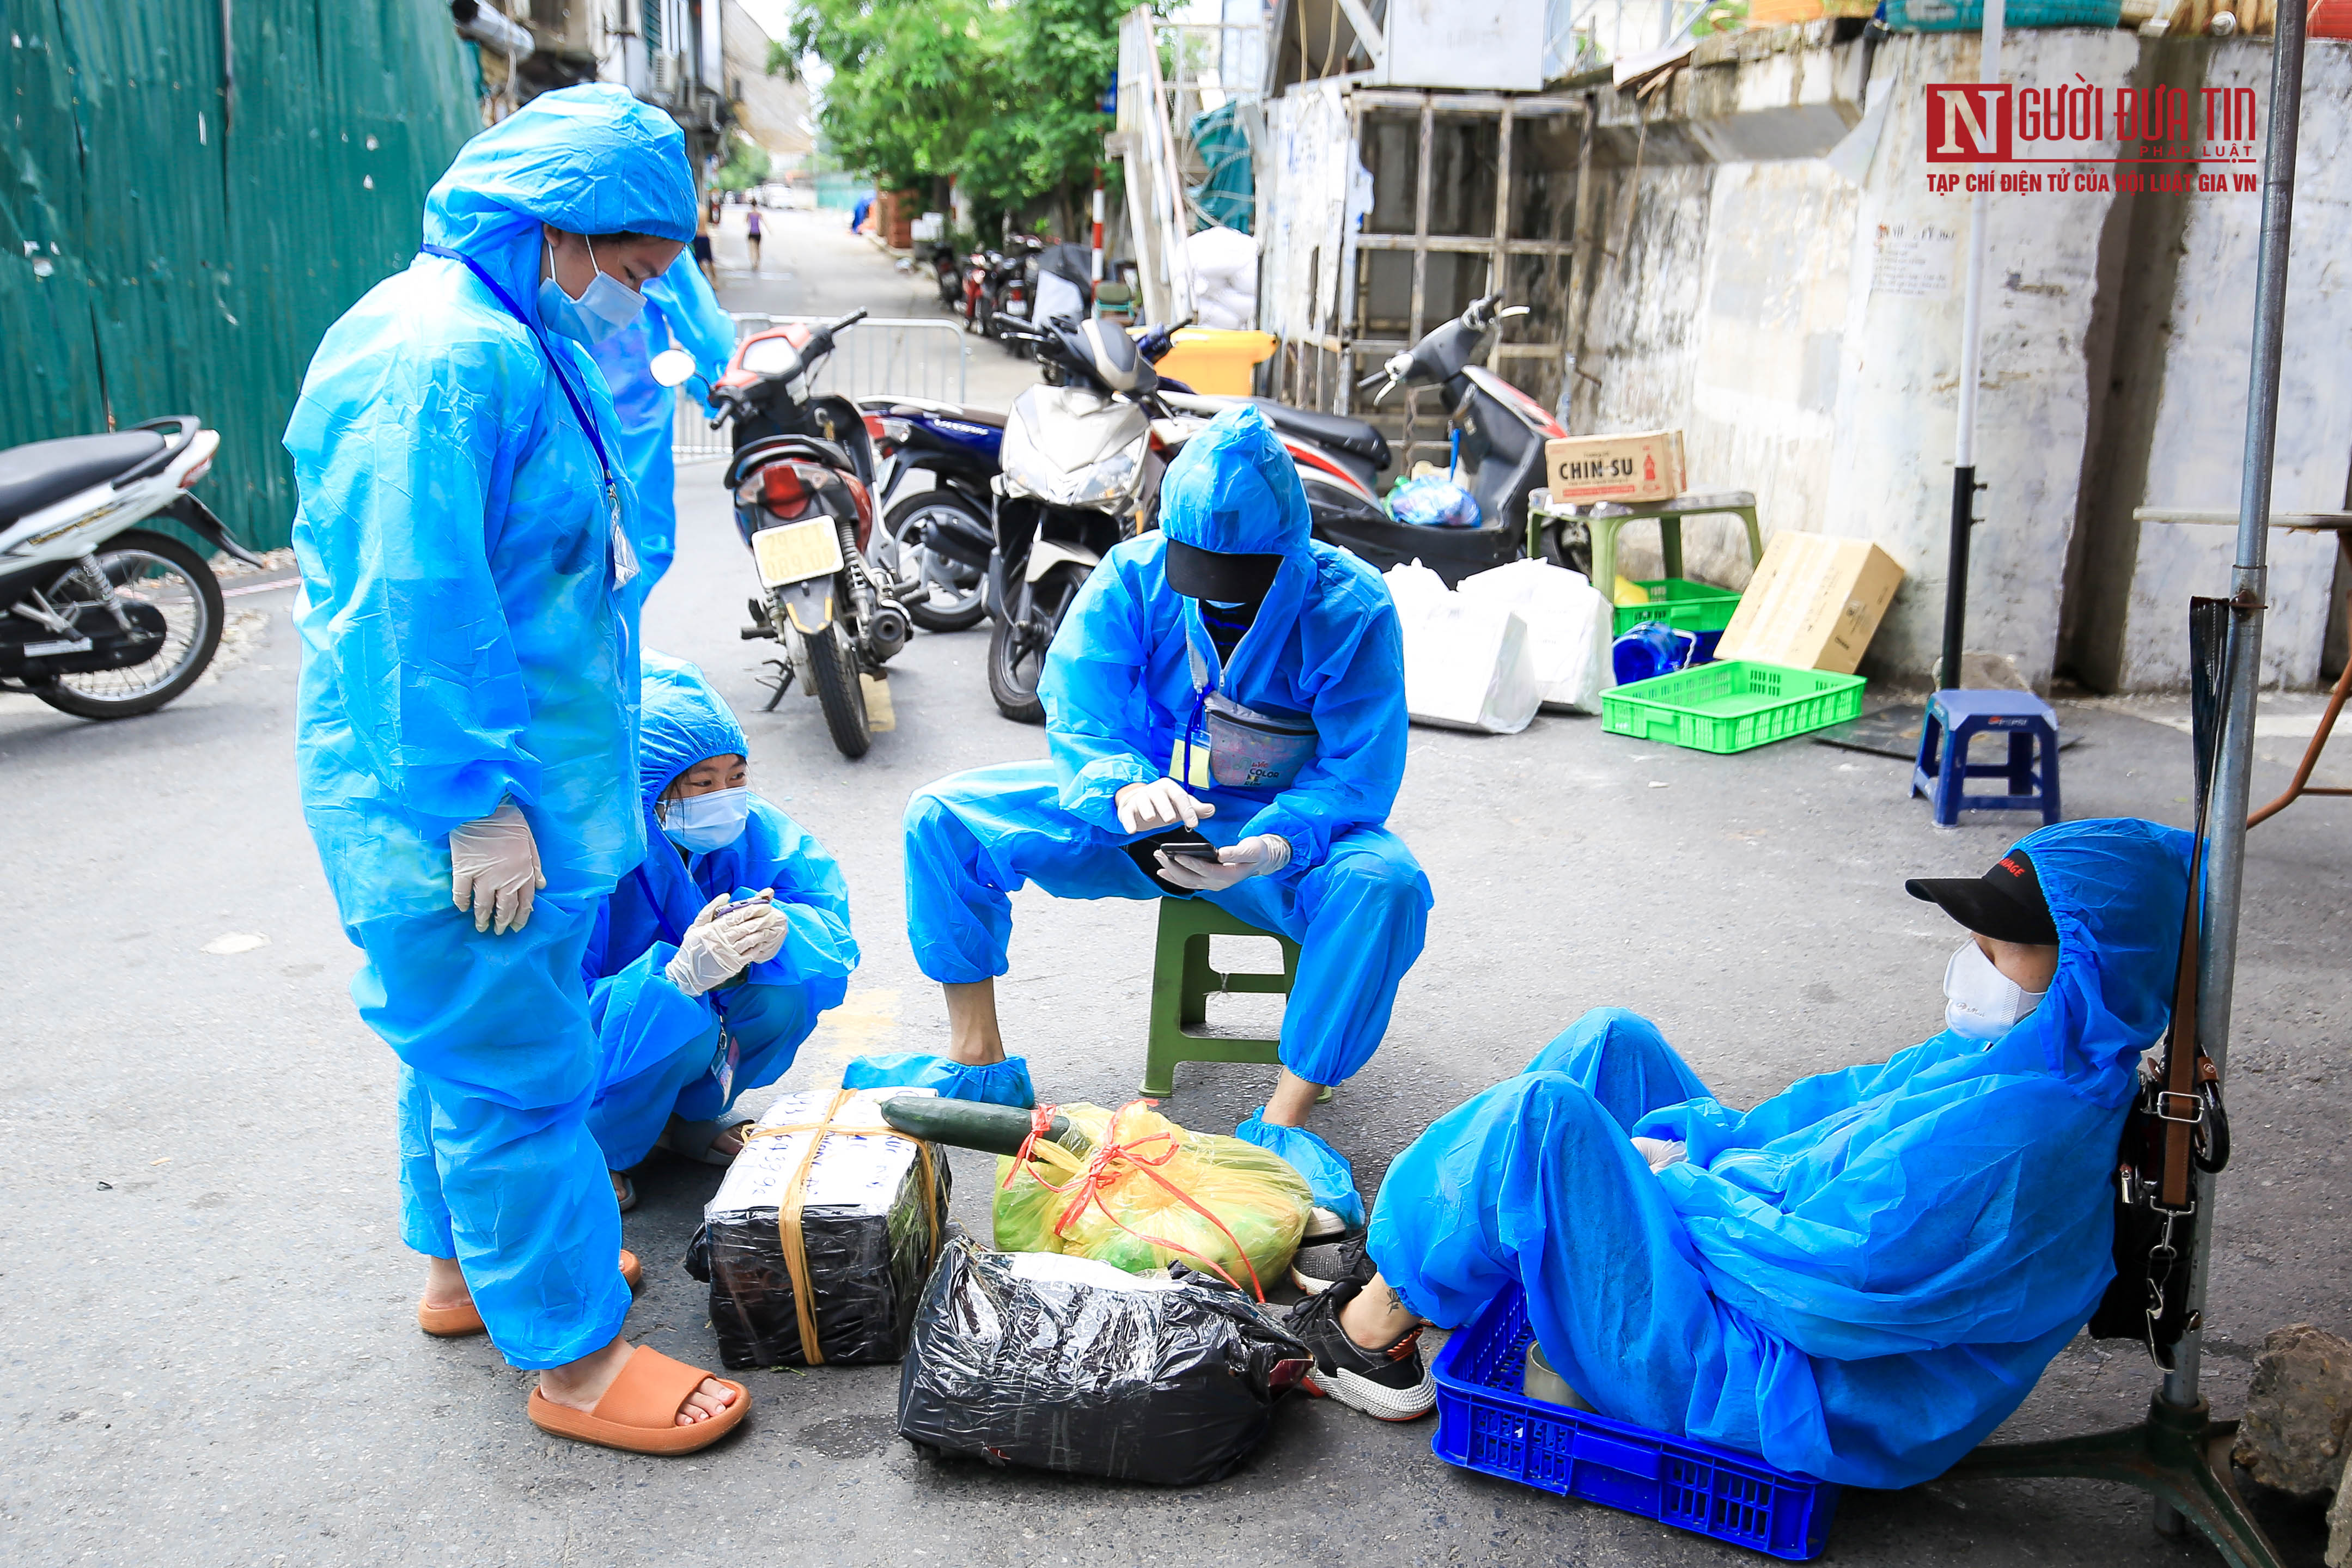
[
  {"x": 603, "y": 307},
  {"x": 701, "y": 823}
]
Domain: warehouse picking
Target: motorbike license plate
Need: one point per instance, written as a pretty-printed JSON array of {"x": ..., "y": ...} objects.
[{"x": 797, "y": 551}]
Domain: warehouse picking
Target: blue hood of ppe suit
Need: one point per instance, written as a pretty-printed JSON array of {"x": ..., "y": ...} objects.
[
  {"x": 1118, "y": 686},
  {"x": 683, "y": 721},
  {"x": 463, "y": 641},
  {"x": 589, "y": 160},
  {"x": 1928, "y": 1232}
]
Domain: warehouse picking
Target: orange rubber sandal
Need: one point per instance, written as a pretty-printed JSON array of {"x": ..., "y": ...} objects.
[
  {"x": 457, "y": 1323},
  {"x": 638, "y": 1414}
]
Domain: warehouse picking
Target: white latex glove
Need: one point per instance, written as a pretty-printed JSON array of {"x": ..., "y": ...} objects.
[
  {"x": 1162, "y": 803},
  {"x": 494, "y": 869},
  {"x": 1661, "y": 1152},
  {"x": 1260, "y": 855},
  {"x": 720, "y": 946}
]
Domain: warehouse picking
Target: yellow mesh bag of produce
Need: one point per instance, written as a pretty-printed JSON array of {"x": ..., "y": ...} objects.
[{"x": 1145, "y": 1193}]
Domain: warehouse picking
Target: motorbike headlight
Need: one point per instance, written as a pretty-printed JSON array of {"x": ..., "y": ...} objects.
[
  {"x": 1103, "y": 485},
  {"x": 1026, "y": 472}
]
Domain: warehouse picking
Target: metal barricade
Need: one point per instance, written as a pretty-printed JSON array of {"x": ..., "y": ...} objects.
[{"x": 903, "y": 357}]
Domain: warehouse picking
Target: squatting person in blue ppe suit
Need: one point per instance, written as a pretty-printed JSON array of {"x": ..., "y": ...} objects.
[
  {"x": 713, "y": 958},
  {"x": 468, "y": 722},
  {"x": 1222, "y": 678},
  {"x": 679, "y": 305},
  {"x": 1858, "y": 1279}
]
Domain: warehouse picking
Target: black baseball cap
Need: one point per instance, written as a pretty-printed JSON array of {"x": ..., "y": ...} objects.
[
  {"x": 1226, "y": 578},
  {"x": 2005, "y": 904}
]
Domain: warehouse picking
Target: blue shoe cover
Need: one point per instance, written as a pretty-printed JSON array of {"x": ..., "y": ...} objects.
[
  {"x": 1328, "y": 1176},
  {"x": 1005, "y": 1083}
]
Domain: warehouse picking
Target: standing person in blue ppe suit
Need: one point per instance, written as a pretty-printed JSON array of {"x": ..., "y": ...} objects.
[
  {"x": 695, "y": 1000},
  {"x": 680, "y": 305},
  {"x": 1860, "y": 1278},
  {"x": 467, "y": 714},
  {"x": 1224, "y": 677}
]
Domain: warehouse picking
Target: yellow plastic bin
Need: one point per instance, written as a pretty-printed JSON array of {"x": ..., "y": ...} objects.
[{"x": 1209, "y": 361}]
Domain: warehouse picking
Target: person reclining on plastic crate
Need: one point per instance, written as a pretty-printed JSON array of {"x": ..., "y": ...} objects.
[
  {"x": 692, "y": 1000},
  {"x": 1228, "y": 602},
  {"x": 1858, "y": 1279}
]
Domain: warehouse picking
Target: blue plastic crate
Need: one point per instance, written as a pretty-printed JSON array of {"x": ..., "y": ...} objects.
[{"x": 1486, "y": 1424}]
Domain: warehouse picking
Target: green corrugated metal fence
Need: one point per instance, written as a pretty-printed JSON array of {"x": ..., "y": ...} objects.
[{"x": 181, "y": 220}]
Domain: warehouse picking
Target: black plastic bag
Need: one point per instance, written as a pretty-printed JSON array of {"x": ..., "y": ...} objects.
[
  {"x": 1066, "y": 1363},
  {"x": 869, "y": 1233}
]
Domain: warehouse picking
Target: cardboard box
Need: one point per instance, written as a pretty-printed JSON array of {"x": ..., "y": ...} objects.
[
  {"x": 1645, "y": 467},
  {"x": 1814, "y": 604}
]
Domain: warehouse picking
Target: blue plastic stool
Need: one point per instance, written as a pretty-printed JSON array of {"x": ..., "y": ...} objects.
[{"x": 1944, "y": 769}]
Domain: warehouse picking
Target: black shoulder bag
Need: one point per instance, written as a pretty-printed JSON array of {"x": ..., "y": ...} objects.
[{"x": 2176, "y": 1129}]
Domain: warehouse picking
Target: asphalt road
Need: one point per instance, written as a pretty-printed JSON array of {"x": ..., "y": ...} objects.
[{"x": 210, "y": 1352}]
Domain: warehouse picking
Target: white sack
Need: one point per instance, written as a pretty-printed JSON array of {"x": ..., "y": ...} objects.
[
  {"x": 1569, "y": 628},
  {"x": 1468, "y": 662}
]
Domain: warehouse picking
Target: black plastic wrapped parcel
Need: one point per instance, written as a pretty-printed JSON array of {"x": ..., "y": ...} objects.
[
  {"x": 1067, "y": 1363},
  {"x": 828, "y": 1221}
]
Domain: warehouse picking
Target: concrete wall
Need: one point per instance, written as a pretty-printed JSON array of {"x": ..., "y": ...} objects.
[
  {"x": 2195, "y": 456},
  {"x": 1745, "y": 301}
]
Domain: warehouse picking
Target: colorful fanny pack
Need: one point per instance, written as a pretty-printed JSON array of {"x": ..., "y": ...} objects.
[{"x": 1248, "y": 748}]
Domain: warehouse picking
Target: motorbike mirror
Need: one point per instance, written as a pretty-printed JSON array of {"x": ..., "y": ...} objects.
[{"x": 673, "y": 367}]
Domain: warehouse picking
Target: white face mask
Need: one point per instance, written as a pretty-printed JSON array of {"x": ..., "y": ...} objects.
[
  {"x": 701, "y": 823},
  {"x": 1980, "y": 1001},
  {"x": 603, "y": 307}
]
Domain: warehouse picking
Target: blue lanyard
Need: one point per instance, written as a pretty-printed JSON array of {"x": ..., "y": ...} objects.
[{"x": 579, "y": 409}]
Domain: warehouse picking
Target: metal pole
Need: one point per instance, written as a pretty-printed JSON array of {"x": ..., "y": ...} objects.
[
  {"x": 2217, "y": 952},
  {"x": 1964, "y": 441}
]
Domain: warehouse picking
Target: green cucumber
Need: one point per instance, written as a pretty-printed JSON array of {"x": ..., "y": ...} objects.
[{"x": 968, "y": 1124}]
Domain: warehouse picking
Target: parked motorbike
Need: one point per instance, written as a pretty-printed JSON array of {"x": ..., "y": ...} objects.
[
  {"x": 1006, "y": 293},
  {"x": 103, "y": 619},
  {"x": 978, "y": 306},
  {"x": 1501, "y": 457},
  {"x": 1082, "y": 458},
  {"x": 803, "y": 477},
  {"x": 934, "y": 543},
  {"x": 947, "y": 270}
]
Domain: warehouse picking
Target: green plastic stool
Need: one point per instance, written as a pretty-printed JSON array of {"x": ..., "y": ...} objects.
[{"x": 1180, "y": 983}]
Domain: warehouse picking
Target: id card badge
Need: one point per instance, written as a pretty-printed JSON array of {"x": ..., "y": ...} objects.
[
  {"x": 625, "y": 555},
  {"x": 1197, "y": 775},
  {"x": 723, "y": 1065}
]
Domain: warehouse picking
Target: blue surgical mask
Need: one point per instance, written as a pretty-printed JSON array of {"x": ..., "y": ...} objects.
[
  {"x": 701, "y": 823},
  {"x": 1980, "y": 1001},
  {"x": 603, "y": 307}
]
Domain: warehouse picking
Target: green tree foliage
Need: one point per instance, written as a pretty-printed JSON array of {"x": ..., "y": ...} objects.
[
  {"x": 747, "y": 164},
  {"x": 1003, "y": 95}
]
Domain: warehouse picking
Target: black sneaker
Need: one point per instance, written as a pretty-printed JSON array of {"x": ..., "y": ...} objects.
[
  {"x": 1315, "y": 1269},
  {"x": 1391, "y": 1384}
]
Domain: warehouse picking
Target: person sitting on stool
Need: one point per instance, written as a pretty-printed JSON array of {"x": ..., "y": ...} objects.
[
  {"x": 1860, "y": 1278},
  {"x": 1222, "y": 678},
  {"x": 695, "y": 1001}
]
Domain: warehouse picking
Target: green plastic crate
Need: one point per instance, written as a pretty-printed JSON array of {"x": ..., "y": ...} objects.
[
  {"x": 1684, "y": 605},
  {"x": 1731, "y": 706}
]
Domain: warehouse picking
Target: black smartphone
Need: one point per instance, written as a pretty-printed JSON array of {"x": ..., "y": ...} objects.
[{"x": 1192, "y": 847}]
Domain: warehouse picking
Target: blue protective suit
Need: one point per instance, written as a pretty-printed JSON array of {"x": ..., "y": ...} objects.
[
  {"x": 679, "y": 305},
  {"x": 662, "y": 1051},
  {"x": 1118, "y": 690},
  {"x": 1858, "y": 1279},
  {"x": 463, "y": 643}
]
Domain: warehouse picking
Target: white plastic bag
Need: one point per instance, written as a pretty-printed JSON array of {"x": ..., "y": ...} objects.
[
  {"x": 1569, "y": 628},
  {"x": 1223, "y": 263},
  {"x": 1468, "y": 662}
]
